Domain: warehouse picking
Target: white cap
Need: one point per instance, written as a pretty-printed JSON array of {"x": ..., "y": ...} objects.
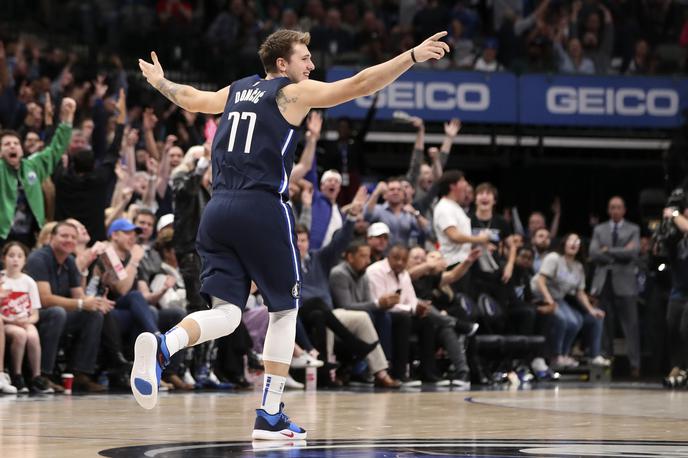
[
  {"x": 331, "y": 174},
  {"x": 378, "y": 229},
  {"x": 164, "y": 221}
]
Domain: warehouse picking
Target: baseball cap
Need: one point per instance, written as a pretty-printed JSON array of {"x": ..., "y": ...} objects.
[
  {"x": 378, "y": 229},
  {"x": 124, "y": 225},
  {"x": 164, "y": 221}
]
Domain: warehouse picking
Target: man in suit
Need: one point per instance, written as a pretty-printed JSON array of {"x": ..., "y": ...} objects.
[{"x": 614, "y": 250}]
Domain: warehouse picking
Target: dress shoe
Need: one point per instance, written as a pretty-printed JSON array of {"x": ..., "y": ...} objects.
[
  {"x": 387, "y": 382},
  {"x": 82, "y": 382},
  {"x": 56, "y": 387}
]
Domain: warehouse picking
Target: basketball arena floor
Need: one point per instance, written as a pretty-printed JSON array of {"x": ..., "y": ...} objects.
[{"x": 618, "y": 420}]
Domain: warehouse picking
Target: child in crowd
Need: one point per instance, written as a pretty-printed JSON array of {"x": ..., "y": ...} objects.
[{"x": 19, "y": 312}]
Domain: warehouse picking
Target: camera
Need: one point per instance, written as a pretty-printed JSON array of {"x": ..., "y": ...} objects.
[{"x": 667, "y": 234}]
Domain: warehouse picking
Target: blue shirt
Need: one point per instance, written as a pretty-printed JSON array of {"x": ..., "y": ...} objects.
[{"x": 401, "y": 226}]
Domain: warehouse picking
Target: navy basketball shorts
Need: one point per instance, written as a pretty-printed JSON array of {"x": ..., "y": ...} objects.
[{"x": 249, "y": 235}]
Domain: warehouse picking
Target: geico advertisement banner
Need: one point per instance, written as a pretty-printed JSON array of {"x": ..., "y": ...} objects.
[
  {"x": 549, "y": 100},
  {"x": 602, "y": 101},
  {"x": 439, "y": 96}
]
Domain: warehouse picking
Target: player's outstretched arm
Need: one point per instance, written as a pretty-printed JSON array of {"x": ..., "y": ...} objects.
[
  {"x": 187, "y": 97},
  {"x": 316, "y": 94}
]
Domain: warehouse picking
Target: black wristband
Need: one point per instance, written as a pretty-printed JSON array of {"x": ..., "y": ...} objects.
[{"x": 413, "y": 56}]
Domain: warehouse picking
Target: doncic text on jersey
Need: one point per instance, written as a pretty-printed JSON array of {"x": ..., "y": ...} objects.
[{"x": 249, "y": 95}]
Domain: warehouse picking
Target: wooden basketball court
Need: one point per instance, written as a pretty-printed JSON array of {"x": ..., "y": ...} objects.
[{"x": 617, "y": 420}]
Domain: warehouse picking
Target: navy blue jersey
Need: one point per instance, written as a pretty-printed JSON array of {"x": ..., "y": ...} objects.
[{"x": 254, "y": 145}]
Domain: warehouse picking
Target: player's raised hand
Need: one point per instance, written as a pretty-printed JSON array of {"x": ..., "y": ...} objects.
[
  {"x": 153, "y": 72},
  {"x": 432, "y": 48}
]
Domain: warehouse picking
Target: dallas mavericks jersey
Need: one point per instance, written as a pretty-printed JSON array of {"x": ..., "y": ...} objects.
[{"x": 254, "y": 145}]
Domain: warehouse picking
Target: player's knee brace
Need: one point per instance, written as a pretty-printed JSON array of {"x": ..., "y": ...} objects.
[
  {"x": 217, "y": 322},
  {"x": 279, "y": 340}
]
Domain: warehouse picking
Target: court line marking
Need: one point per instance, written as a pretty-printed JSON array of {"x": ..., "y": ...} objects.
[{"x": 471, "y": 400}]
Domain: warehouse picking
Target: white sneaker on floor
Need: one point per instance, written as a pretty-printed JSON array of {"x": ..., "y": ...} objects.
[
  {"x": 188, "y": 378},
  {"x": 305, "y": 360},
  {"x": 571, "y": 362},
  {"x": 6, "y": 386},
  {"x": 600, "y": 361},
  {"x": 539, "y": 365},
  {"x": 411, "y": 383},
  {"x": 461, "y": 384},
  {"x": 293, "y": 384}
]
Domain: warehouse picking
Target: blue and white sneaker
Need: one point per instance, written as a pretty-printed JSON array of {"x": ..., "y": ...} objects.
[
  {"x": 276, "y": 427},
  {"x": 151, "y": 356}
]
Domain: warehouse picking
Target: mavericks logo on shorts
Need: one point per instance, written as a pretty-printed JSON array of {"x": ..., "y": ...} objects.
[{"x": 296, "y": 290}]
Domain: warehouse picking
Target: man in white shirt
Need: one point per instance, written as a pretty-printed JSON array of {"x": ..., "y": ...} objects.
[{"x": 453, "y": 227}]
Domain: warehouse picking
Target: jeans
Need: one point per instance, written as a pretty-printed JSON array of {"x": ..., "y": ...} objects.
[
  {"x": 139, "y": 309},
  {"x": 564, "y": 325},
  {"x": 87, "y": 326}
]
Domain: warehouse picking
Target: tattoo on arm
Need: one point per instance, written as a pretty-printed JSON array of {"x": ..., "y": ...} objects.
[
  {"x": 282, "y": 101},
  {"x": 169, "y": 90}
]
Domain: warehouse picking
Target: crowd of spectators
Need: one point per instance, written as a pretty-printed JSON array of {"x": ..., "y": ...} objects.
[
  {"x": 101, "y": 191},
  {"x": 639, "y": 37}
]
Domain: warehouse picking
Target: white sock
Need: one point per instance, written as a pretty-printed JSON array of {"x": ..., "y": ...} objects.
[
  {"x": 176, "y": 339},
  {"x": 273, "y": 386}
]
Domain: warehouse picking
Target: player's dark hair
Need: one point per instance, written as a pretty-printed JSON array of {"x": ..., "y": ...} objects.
[
  {"x": 280, "y": 44},
  {"x": 447, "y": 179}
]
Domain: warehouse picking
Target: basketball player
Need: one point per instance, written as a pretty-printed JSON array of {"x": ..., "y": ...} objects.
[{"x": 247, "y": 229}]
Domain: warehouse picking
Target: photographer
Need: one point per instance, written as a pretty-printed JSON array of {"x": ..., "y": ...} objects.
[{"x": 677, "y": 310}]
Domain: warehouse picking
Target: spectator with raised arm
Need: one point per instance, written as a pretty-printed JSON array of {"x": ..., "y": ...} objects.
[
  {"x": 313, "y": 128},
  {"x": 191, "y": 192},
  {"x": 421, "y": 175},
  {"x": 82, "y": 186},
  {"x": 22, "y": 208},
  {"x": 596, "y": 33},
  {"x": 402, "y": 219}
]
